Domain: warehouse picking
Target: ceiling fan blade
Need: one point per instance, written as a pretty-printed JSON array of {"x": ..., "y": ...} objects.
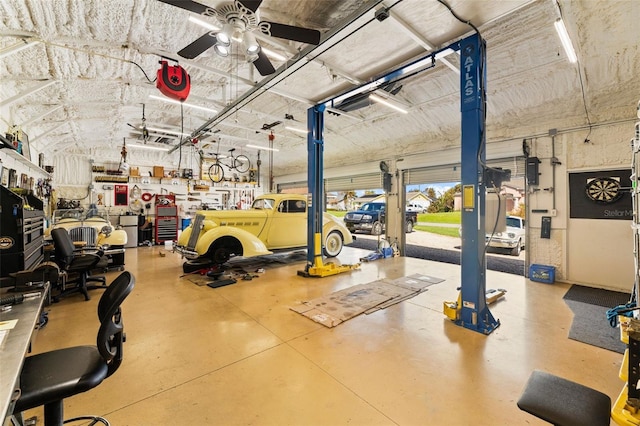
[
  {"x": 263, "y": 64},
  {"x": 289, "y": 32},
  {"x": 251, "y": 4},
  {"x": 189, "y": 5},
  {"x": 198, "y": 46}
]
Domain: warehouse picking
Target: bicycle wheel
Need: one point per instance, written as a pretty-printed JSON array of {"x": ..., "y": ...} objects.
[
  {"x": 216, "y": 173},
  {"x": 241, "y": 163}
]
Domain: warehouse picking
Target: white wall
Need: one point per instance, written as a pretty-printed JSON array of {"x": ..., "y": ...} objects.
[{"x": 593, "y": 252}]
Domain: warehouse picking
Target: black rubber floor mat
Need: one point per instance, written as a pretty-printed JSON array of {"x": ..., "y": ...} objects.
[{"x": 596, "y": 296}]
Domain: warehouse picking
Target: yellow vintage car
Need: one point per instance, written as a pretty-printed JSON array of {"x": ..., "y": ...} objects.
[
  {"x": 275, "y": 222},
  {"x": 91, "y": 226}
]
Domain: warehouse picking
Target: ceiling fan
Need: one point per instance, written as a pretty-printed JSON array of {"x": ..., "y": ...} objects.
[{"x": 237, "y": 20}]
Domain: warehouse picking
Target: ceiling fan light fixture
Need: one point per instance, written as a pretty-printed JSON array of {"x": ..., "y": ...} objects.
[
  {"x": 224, "y": 36},
  {"x": 250, "y": 43},
  {"x": 221, "y": 50}
]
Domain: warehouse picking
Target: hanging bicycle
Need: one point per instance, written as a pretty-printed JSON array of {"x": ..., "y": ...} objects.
[{"x": 240, "y": 163}]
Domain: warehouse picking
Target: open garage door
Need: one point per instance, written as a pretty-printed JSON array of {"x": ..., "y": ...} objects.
[
  {"x": 451, "y": 172},
  {"x": 353, "y": 183}
]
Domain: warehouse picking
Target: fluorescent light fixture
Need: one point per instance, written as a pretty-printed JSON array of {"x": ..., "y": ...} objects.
[
  {"x": 294, "y": 129},
  {"x": 378, "y": 99},
  {"x": 566, "y": 40},
  {"x": 266, "y": 148},
  {"x": 366, "y": 88},
  {"x": 173, "y": 101},
  {"x": 204, "y": 24},
  {"x": 171, "y": 132},
  {"x": 154, "y": 148},
  {"x": 428, "y": 61},
  {"x": 17, "y": 48},
  {"x": 272, "y": 54}
]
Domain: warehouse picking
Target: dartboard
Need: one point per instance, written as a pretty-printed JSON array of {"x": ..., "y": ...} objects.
[{"x": 603, "y": 190}]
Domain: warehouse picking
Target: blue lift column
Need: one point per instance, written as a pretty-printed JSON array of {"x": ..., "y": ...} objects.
[
  {"x": 315, "y": 149},
  {"x": 473, "y": 310},
  {"x": 315, "y": 179}
]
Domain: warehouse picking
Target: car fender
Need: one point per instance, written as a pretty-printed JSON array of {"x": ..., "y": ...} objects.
[
  {"x": 117, "y": 237},
  {"x": 251, "y": 245},
  {"x": 331, "y": 223}
]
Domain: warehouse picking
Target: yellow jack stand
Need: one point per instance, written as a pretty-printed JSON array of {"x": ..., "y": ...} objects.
[
  {"x": 320, "y": 269},
  {"x": 452, "y": 309}
]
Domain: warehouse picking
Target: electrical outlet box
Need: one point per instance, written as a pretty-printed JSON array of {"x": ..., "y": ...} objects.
[
  {"x": 545, "y": 231},
  {"x": 108, "y": 187},
  {"x": 554, "y": 212}
]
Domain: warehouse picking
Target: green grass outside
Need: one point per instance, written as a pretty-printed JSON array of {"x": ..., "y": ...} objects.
[
  {"x": 450, "y": 217},
  {"x": 453, "y": 217},
  {"x": 440, "y": 230},
  {"x": 337, "y": 213}
]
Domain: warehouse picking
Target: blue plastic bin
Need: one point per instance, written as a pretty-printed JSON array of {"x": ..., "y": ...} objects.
[
  {"x": 542, "y": 273},
  {"x": 185, "y": 223}
]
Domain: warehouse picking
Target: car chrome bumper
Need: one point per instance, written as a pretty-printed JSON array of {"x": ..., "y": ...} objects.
[
  {"x": 503, "y": 243},
  {"x": 186, "y": 252}
]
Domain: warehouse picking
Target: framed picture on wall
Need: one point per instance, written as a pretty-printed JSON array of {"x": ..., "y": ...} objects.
[{"x": 23, "y": 141}]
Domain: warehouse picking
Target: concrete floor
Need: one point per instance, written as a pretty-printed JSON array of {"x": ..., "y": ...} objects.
[{"x": 237, "y": 355}]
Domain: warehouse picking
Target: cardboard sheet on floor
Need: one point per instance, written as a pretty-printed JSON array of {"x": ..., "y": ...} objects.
[{"x": 343, "y": 305}]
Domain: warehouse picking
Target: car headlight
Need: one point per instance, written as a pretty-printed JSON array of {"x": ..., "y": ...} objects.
[
  {"x": 511, "y": 235},
  {"x": 366, "y": 217},
  {"x": 106, "y": 230}
]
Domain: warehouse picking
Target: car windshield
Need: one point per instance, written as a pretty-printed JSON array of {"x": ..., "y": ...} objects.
[
  {"x": 514, "y": 222},
  {"x": 80, "y": 215},
  {"x": 370, "y": 207},
  {"x": 263, "y": 204}
]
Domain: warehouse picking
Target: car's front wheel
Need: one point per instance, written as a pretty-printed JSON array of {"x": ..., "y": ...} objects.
[
  {"x": 333, "y": 244},
  {"x": 409, "y": 226},
  {"x": 516, "y": 250},
  {"x": 376, "y": 228}
]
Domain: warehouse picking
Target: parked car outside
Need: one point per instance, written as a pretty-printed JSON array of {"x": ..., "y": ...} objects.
[
  {"x": 513, "y": 238},
  {"x": 370, "y": 218},
  {"x": 416, "y": 208},
  {"x": 275, "y": 222}
]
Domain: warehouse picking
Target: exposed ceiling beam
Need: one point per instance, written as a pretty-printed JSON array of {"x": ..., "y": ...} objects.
[
  {"x": 418, "y": 38},
  {"x": 40, "y": 117},
  {"x": 28, "y": 92}
]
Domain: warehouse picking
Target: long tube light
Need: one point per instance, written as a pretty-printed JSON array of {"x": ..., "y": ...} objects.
[
  {"x": 155, "y": 148},
  {"x": 173, "y": 101},
  {"x": 204, "y": 24},
  {"x": 295, "y": 129},
  {"x": 273, "y": 55},
  {"x": 566, "y": 40},
  {"x": 262, "y": 147},
  {"x": 171, "y": 132},
  {"x": 378, "y": 99}
]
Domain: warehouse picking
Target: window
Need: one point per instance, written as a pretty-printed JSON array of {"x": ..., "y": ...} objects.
[{"x": 292, "y": 206}]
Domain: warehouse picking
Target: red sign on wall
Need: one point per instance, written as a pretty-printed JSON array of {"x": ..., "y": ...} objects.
[{"x": 121, "y": 195}]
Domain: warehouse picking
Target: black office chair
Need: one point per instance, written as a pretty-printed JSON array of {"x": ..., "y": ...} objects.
[
  {"x": 76, "y": 262},
  {"x": 49, "y": 377}
]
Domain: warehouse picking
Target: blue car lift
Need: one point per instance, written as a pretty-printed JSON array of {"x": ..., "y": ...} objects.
[{"x": 470, "y": 310}]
